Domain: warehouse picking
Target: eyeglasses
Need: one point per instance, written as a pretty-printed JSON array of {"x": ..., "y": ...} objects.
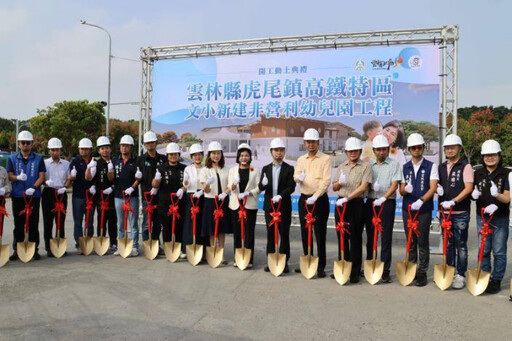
[{"x": 26, "y": 142}]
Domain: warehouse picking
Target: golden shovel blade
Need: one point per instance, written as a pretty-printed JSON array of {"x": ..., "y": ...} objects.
[
  {"x": 125, "y": 246},
  {"x": 26, "y": 251},
  {"x": 4, "y": 254},
  {"x": 443, "y": 276},
  {"x": 276, "y": 263},
  {"x": 373, "y": 270},
  {"x": 342, "y": 270},
  {"x": 214, "y": 255},
  {"x": 477, "y": 282},
  {"x": 172, "y": 251},
  {"x": 406, "y": 272},
  {"x": 86, "y": 245},
  {"x": 58, "y": 247},
  {"x": 194, "y": 253},
  {"x": 101, "y": 245},
  {"x": 150, "y": 248},
  {"x": 308, "y": 266},
  {"x": 242, "y": 258}
]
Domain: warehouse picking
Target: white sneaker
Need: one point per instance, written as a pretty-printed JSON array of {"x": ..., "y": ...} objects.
[
  {"x": 134, "y": 253},
  {"x": 459, "y": 282},
  {"x": 183, "y": 255},
  {"x": 116, "y": 252}
]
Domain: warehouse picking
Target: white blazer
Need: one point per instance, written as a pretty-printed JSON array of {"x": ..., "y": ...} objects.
[
  {"x": 193, "y": 178},
  {"x": 252, "y": 187},
  {"x": 208, "y": 172}
]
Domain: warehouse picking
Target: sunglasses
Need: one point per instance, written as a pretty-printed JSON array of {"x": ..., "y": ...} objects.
[
  {"x": 416, "y": 147},
  {"x": 26, "y": 142}
]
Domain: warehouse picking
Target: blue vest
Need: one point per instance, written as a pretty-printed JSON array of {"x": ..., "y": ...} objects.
[
  {"x": 420, "y": 183},
  {"x": 453, "y": 184},
  {"x": 31, "y": 168}
]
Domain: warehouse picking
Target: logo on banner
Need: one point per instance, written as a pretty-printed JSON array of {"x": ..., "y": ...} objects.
[
  {"x": 415, "y": 62},
  {"x": 359, "y": 65}
]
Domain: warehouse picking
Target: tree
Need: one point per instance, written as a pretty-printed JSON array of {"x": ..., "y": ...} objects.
[
  {"x": 168, "y": 137},
  {"x": 480, "y": 126},
  {"x": 429, "y": 131},
  {"x": 120, "y": 128},
  {"x": 187, "y": 139}
]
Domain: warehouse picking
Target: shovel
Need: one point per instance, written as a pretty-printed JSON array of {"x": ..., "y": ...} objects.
[
  {"x": 173, "y": 248},
  {"x": 150, "y": 246},
  {"x": 373, "y": 268},
  {"x": 58, "y": 245},
  {"x": 276, "y": 261},
  {"x": 4, "y": 248},
  {"x": 342, "y": 268},
  {"x": 194, "y": 251},
  {"x": 309, "y": 263},
  {"x": 26, "y": 249},
  {"x": 214, "y": 254},
  {"x": 85, "y": 242},
  {"x": 405, "y": 271},
  {"x": 101, "y": 243},
  {"x": 478, "y": 280},
  {"x": 443, "y": 274},
  {"x": 125, "y": 244},
  {"x": 242, "y": 255}
]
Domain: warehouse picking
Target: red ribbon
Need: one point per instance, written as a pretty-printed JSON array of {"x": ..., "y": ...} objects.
[
  {"x": 3, "y": 213},
  {"x": 377, "y": 224},
  {"x": 126, "y": 208},
  {"x": 58, "y": 209},
  {"x": 484, "y": 232},
  {"x": 341, "y": 226},
  {"x": 242, "y": 216},
  {"x": 310, "y": 220},
  {"x": 27, "y": 210},
  {"x": 276, "y": 219},
  {"x": 148, "y": 197},
  {"x": 174, "y": 210},
  {"x": 194, "y": 211},
  {"x": 446, "y": 225},
  {"x": 88, "y": 207},
  {"x": 218, "y": 213},
  {"x": 104, "y": 207},
  {"x": 412, "y": 222}
]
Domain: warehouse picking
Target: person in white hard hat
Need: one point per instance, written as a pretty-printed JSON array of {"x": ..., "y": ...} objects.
[
  {"x": 278, "y": 184},
  {"x": 77, "y": 169},
  {"x": 454, "y": 189},
  {"x": 243, "y": 181},
  {"x": 147, "y": 164},
  {"x": 351, "y": 182},
  {"x": 386, "y": 175},
  {"x": 418, "y": 189},
  {"x": 313, "y": 174},
  {"x": 56, "y": 181},
  {"x": 26, "y": 171},
  {"x": 492, "y": 195},
  {"x": 214, "y": 179}
]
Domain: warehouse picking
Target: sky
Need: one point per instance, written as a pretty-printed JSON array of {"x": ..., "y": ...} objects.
[{"x": 48, "y": 56}]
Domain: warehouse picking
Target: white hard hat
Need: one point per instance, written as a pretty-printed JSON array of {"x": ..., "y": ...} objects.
[
  {"x": 102, "y": 141},
  {"x": 415, "y": 139},
  {"x": 244, "y": 146},
  {"x": 127, "y": 139},
  {"x": 277, "y": 143},
  {"x": 353, "y": 143},
  {"x": 311, "y": 135},
  {"x": 54, "y": 143},
  {"x": 85, "y": 143},
  {"x": 452, "y": 140},
  {"x": 150, "y": 136},
  {"x": 214, "y": 146},
  {"x": 196, "y": 148},
  {"x": 380, "y": 141},
  {"x": 173, "y": 147},
  {"x": 490, "y": 147},
  {"x": 25, "y": 135}
]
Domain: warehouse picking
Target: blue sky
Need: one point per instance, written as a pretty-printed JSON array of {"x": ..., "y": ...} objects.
[{"x": 48, "y": 56}]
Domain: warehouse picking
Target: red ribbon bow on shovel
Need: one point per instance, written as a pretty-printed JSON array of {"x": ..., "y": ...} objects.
[
  {"x": 310, "y": 219},
  {"x": 174, "y": 207},
  {"x": 486, "y": 230},
  {"x": 342, "y": 225},
  {"x": 3, "y": 211},
  {"x": 446, "y": 223},
  {"x": 412, "y": 222}
]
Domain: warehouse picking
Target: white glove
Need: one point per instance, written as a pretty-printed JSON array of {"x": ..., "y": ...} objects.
[
  {"x": 494, "y": 189},
  {"x": 107, "y": 191},
  {"x": 138, "y": 174},
  {"x": 129, "y": 191},
  {"x": 440, "y": 190},
  {"x": 30, "y": 192},
  {"x": 408, "y": 187},
  {"x": 264, "y": 181},
  {"x": 73, "y": 172},
  {"x": 341, "y": 201},
  {"x": 61, "y": 190},
  {"x": 154, "y": 191},
  {"x": 198, "y": 194},
  {"x": 276, "y": 199},
  {"x": 243, "y": 195},
  {"x": 302, "y": 176},
  {"x": 376, "y": 186},
  {"x": 222, "y": 196},
  {"x": 342, "y": 180},
  {"x": 236, "y": 180},
  {"x": 49, "y": 183},
  {"x": 179, "y": 193},
  {"x": 476, "y": 193},
  {"x": 2, "y": 191},
  {"x": 158, "y": 175},
  {"x": 110, "y": 166},
  {"x": 93, "y": 171},
  {"x": 92, "y": 164},
  {"x": 311, "y": 200},
  {"x": 22, "y": 176},
  {"x": 92, "y": 190},
  {"x": 447, "y": 204},
  {"x": 380, "y": 201},
  {"x": 416, "y": 205},
  {"x": 490, "y": 209},
  {"x": 210, "y": 180}
]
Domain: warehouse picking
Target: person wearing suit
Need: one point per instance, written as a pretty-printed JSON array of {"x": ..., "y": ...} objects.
[{"x": 278, "y": 184}]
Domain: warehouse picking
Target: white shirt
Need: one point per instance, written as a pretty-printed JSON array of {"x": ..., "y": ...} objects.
[
  {"x": 58, "y": 172},
  {"x": 193, "y": 178},
  {"x": 434, "y": 173}
]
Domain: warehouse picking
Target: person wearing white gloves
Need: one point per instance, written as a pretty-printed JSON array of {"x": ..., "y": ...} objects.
[
  {"x": 214, "y": 180},
  {"x": 26, "y": 171},
  {"x": 386, "y": 177},
  {"x": 243, "y": 180},
  {"x": 313, "y": 174},
  {"x": 57, "y": 179},
  {"x": 492, "y": 194},
  {"x": 420, "y": 184},
  {"x": 278, "y": 184},
  {"x": 454, "y": 190},
  {"x": 352, "y": 180},
  {"x": 5, "y": 184},
  {"x": 169, "y": 178}
]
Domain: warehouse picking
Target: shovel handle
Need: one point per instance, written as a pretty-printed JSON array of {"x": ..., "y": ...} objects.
[{"x": 2, "y": 208}]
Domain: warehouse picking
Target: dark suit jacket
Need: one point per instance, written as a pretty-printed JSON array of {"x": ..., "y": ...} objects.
[{"x": 285, "y": 188}]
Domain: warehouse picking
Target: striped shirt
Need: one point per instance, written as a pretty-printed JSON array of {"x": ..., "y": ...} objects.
[
  {"x": 385, "y": 173},
  {"x": 355, "y": 175}
]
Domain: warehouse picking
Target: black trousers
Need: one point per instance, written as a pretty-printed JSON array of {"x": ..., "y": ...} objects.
[
  {"x": 388, "y": 221},
  {"x": 18, "y": 205},
  {"x": 110, "y": 223},
  {"x": 250, "y": 225},
  {"x": 320, "y": 226},
  {"x": 284, "y": 233},
  {"x": 166, "y": 221},
  {"x": 354, "y": 241},
  {"x": 47, "y": 205},
  {"x": 420, "y": 244}
]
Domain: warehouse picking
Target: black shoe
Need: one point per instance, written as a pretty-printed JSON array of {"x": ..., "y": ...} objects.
[
  {"x": 266, "y": 268},
  {"x": 65, "y": 253},
  {"x": 332, "y": 276},
  {"x": 362, "y": 272},
  {"x": 161, "y": 252},
  {"x": 49, "y": 254},
  {"x": 321, "y": 273},
  {"x": 37, "y": 256},
  {"x": 14, "y": 257},
  {"x": 421, "y": 280},
  {"x": 386, "y": 278},
  {"x": 354, "y": 279},
  {"x": 297, "y": 270},
  {"x": 286, "y": 269},
  {"x": 494, "y": 287}
]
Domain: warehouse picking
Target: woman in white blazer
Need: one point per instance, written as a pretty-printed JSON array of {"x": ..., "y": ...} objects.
[{"x": 243, "y": 182}]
